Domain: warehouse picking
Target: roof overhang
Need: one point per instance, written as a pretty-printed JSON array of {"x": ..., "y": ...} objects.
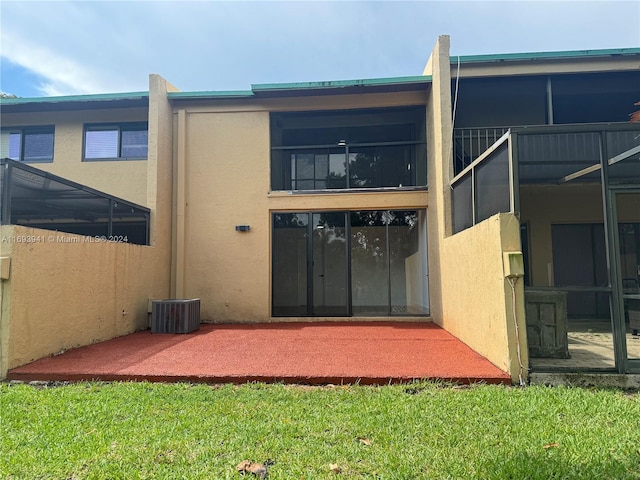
[
  {"x": 537, "y": 63},
  {"x": 75, "y": 102},
  {"x": 303, "y": 89}
]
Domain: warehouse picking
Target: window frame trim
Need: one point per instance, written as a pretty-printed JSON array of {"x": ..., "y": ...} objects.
[
  {"x": 119, "y": 127},
  {"x": 411, "y": 143},
  {"x": 418, "y": 143},
  {"x": 30, "y": 130}
]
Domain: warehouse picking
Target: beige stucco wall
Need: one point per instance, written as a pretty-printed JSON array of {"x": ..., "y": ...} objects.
[
  {"x": 477, "y": 298},
  {"x": 66, "y": 291},
  {"x": 160, "y": 165},
  {"x": 6, "y": 247},
  {"x": 439, "y": 168},
  {"x": 124, "y": 179},
  {"x": 226, "y": 182},
  {"x": 469, "y": 295}
]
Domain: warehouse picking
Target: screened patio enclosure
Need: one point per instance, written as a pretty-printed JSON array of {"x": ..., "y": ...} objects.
[
  {"x": 38, "y": 199},
  {"x": 576, "y": 190}
]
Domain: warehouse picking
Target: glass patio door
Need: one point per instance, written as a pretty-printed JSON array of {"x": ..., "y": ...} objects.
[
  {"x": 310, "y": 264},
  {"x": 330, "y": 265},
  {"x": 290, "y": 264},
  {"x": 339, "y": 264}
]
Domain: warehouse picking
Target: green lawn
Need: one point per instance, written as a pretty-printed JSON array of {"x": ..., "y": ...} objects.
[{"x": 142, "y": 430}]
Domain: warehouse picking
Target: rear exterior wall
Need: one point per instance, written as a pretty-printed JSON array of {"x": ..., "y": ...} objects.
[
  {"x": 125, "y": 179},
  {"x": 227, "y": 183}
]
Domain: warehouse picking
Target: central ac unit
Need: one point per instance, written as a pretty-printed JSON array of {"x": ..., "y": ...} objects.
[{"x": 175, "y": 316}]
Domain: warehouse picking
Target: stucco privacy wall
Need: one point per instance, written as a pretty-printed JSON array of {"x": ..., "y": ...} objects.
[
  {"x": 5, "y": 253},
  {"x": 469, "y": 295},
  {"x": 226, "y": 155},
  {"x": 66, "y": 291},
  {"x": 124, "y": 179},
  {"x": 476, "y": 297}
]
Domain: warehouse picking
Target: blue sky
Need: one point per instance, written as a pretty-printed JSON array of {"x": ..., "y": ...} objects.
[{"x": 64, "y": 48}]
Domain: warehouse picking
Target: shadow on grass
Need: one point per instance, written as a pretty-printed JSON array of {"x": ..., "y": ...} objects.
[{"x": 552, "y": 464}]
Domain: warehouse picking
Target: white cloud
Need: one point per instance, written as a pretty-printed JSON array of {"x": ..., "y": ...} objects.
[
  {"x": 60, "y": 43},
  {"x": 92, "y": 47},
  {"x": 63, "y": 75}
]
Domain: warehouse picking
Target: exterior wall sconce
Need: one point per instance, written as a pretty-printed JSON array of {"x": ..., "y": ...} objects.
[{"x": 242, "y": 228}]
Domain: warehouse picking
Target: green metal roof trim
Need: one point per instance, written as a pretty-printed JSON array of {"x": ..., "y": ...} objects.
[
  {"x": 370, "y": 82},
  {"x": 505, "y": 57},
  {"x": 283, "y": 87},
  {"x": 255, "y": 88},
  {"x": 100, "y": 97},
  {"x": 209, "y": 94}
]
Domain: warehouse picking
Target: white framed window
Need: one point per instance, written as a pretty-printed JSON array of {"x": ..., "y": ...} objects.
[
  {"x": 27, "y": 144},
  {"x": 122, "y": 141}
]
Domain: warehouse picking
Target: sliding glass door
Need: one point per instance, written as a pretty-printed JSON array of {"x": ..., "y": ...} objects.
[
  {"x": 329, "y": 265},
  {"x": 369, "y": 263},
  {"x": 290, "y": 261}
]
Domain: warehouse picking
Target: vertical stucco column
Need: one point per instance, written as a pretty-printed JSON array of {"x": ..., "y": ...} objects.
[
  {"x": 470, "y": 296},
  {"x": 439, "y": 165},
  {"x": 160, "y": 169}
]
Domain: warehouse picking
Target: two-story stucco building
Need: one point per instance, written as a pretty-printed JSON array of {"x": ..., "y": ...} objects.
[{"x": 497, "y": 196}]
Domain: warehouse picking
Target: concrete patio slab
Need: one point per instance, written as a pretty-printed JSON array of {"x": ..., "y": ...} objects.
[{"x": 310, "y": 353}]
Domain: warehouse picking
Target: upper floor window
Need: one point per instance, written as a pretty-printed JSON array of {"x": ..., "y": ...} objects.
[
  {"x": 27, "y": 144},
  {"x": 124, "y": 141},
  {"x": 349, "y": 149}
]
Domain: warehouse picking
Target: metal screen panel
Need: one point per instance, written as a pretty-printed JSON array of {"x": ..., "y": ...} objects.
[
  {"x": 462, "y": 200},
  {"x": 492, "y": 185},
  {"x": 548, "y": 157}
]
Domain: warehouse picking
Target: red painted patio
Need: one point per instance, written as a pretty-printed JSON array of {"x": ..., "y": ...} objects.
[{"x": 309, "y": 353}]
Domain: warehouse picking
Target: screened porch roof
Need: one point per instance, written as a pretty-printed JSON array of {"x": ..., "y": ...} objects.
[{"x": 32, "y": 197}]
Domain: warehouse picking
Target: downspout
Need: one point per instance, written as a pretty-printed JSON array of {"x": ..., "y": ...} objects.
[
  {"x": 549, "y": 102},
  {"x": 180, "y": 204}
]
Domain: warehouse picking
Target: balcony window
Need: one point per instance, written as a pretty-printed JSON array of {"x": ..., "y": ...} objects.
[
  {"x": 127, "y": 141},
  {"x": 28, "y": 144},
  {"x": 353, "y": 149}
]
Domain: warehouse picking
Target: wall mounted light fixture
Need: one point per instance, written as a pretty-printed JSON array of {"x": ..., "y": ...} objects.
[{"x": 242, "y": 228}]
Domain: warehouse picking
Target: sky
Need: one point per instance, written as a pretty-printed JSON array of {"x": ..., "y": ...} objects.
[{"x": 68, "y": 48}]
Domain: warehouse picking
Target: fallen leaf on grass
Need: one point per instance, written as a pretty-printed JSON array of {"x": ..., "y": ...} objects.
[
  {"x": 257, "y": 469},
  {"x": 364, "y": 441},
  {"x": 335, "y": 468},
  {"x": 551, "y": 445}
]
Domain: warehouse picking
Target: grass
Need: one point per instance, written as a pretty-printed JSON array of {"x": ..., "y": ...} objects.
[{"x": 173, "y": 431}]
